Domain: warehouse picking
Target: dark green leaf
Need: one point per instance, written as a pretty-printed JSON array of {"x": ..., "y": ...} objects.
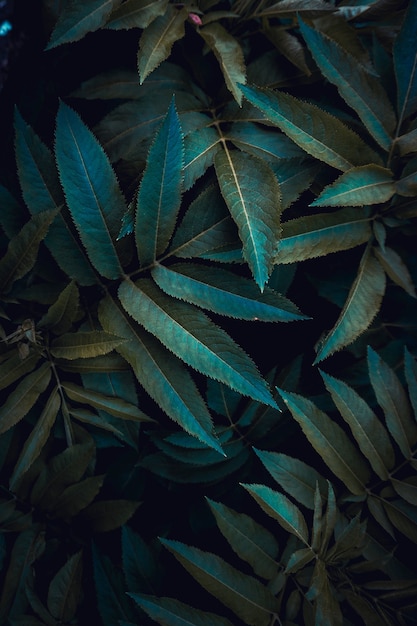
[
  {"x": 139, "y": 563},
  {"x": 299, "y": 559},
  {"x": 63, "y": 312},
  {"x": 114, "y": 405},
  {"x": 76, "y": 497},
  {"x": 403, "y": 517},
  {"x": 106, "y": 515},
  {"x": 84, "y": 344},
  {"x": 136, "y": 14},
  {"x": 405, "y": 63},
  {"x": 410, "y": 369},
  {"x": 110, "y": 591},
  {"x": 170, "y": 612},
  {"x": 64, "y": 593},
  {"x": 396, "y": 269},
  {"x": 14, "y": 368}
]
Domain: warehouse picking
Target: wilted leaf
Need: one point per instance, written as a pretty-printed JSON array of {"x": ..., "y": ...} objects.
[{"x": 359, "y": 186}]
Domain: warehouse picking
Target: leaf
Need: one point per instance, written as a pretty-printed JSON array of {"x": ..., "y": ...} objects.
[
  {"x": 24, "y": 396},
  {"x": 192, "y": 337},
  {"x": 62, "y": 313},
  {"x": 296, "y": 477},
  {"x": 36, "y": 439},
  {"x": 12, "y": 214},
  {"x": 106, "y": 515},
  {"x": 229, "y": 55},
  {"x": 14, "y": 368},
  {"x": 139, "y": 563},
  {"x": 22, "y": 250},
  {"x": 317, "y": 132},
  {"x": 294, "y": 178},
  {"x": 42, "y": 191},
  {"x": 244, "y": 595},
  {"x": 361, "y": 306},
  {"x": 252, "y": 194},
  {"x": 64, "y": 593},
  {"x": 410, "y": 370},
  {"x": 109, "y": 588},
  {"x": 289, "y": 46},
  {"x": 136, "y": 14},
  {"x": 224, "y": 293},
  {"x": 318, "y": 235},
  {"x": 91, "y": 190},
  {"x": 327, "y": 607},
  {"x": 200, "y": 148},
  {"x": 78, "y": 18},
  {"x": 280, "y": 508},
  {"x": 403, "y": 516},
  {"x": 299, "y": 559},
  {"x": 362, "y": 91},
  {"x": 263, "y": 142},
  {"x": 159, "y": 196},
  {"x": 170, "y": 612},
  {"x": 84, "y": 344},
  {"x": 393, "y": 400},
  {"x": 396, "y": 269},
  {"x": 114, "y": 405},
  {"x": 75, "y": 498},
  {"x": 158, "y": 38},
  {"x": 405, "y": 63},
  {"x": 252, "y": 542},
  {"x": 359, "y": 186},
  {"x": 330, "y": 442},
  {"x": 370, "y": 434}
]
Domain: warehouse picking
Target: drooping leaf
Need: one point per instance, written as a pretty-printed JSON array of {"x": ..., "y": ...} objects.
[
  {"x": 64, "y": 593},
  {"x": 362, "y": 91},
  {"x": 369, "y": 432},
  {"x": 171, "y": 612},
  {"x": 393, "y": 400},
  {"x": 84, "y": 344},
  {"x": 78, "y": 18},
  {"x": 91, "y": 189},
  {"x": 24, "y": 396},
  {"x": 330, "y": 442},
  {"x": 252, "y": 542},
  {"x": 316, "y": 131},
  {"x": 312, "y": 236},
  {"x": 136, "y": 14},
  {"x": 245, "y": 596},
  {"x": 159, "y": 196},
  {"x": 396, "y": 269},
  {"x": 251, "y": 192},
  {"x": 225, "y": 293},
  {"x": 405, "y": 63},
  {"x": 280, "y": 508},
  {"x": 362, "y": 305},
  {"x": 62, "y": 313},
  {"x": 359, "y": 186},
  {"x": 158, "y": 38},
  {"x": 194, "y": 338},
  {"x": 229, "y": 54},
  {"x": 23, "y": 249}
]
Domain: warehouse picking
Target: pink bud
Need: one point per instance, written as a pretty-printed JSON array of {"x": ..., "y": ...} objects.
[{"x": 195, "y": 19}]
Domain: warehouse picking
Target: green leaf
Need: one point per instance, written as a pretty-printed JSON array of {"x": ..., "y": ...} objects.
[
  {"x": 317, "y": 132},
  {"x": 224, "y": 293},
  {"x": 403, "y": 516},
  {"x": 63, "y": 312},
  {"x": 158, "y": 38},
  {"x": 194, "y": 338},
  {"x": 91, "y": 190},
  {"x": 359, "y": 186},
  {"x": 361, "y": 306},
  {"x": 327, "y": 607},
  {"x": 289, "y": 46},
  {"x": 393, "y": 400},
  {"x": 14, "y": 368},
  {"x": 252, "y": 542},
  {"x": 22, "y": 250},
  {"x": 396, "y": 269},
  {"x": 280, "y": 508},
  {"x": 251, "y": 192},
  {"x": 170, "y": 612},
  {"x": 159, "y": 196},
  {"x": 75, "y": 498},
  {"x": 136, "y": 14},
  {"x": 312, "y": 236},
  {"x": 139, "y": 563},
  {"x": 78, "y": 18},
  {"x": 200, "y": 148},
  {"x": 294, "y": 177},
  {"x": 369, "y": 432},
  {"x": 296, "y": 477},
  {"x": 36, "y": 439},
  {"x": 23, "y": 398},
  {"x": 263, "y": 142},
  {"x": 42, "y": 191},
  {"x": 330, "y": 442},
  {"x": 362, "y": 91},
  {"x": 64, "y": 593},
  {"x": 406, "y": 488},
  {"x": 410, "y": 370},
  {"x": 405, "y": 63},
  {"x": 106, "y": 515},
  {"x": 245, "y": 596},
  {"x": 84, "y": 344},
  {"x": 299, "y": 559},
  {"x": 229, "y": 55}
]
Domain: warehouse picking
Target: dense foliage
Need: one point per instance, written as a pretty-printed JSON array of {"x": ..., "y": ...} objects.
[{"x": 208, "y": 316}]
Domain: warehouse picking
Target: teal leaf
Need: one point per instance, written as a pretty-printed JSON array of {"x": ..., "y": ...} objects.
[
  {"x": 393, "y": 400},
  {"x": 223, "y": 292},
  {"x": 136, "y": 14},
  {"x": 369, "y": 432},
  {"x": 362, "y": 91},
  {"x": 13, "y": 213},
  {"x": 318, "y": 235},
  {"x": 91, "y": 190},
  {"x": 110, "y": 590},
  {"x": 42, "y": 191},
  {"x": 396, "y": 269},
  {"x": 316, "y": 131},
  {"x": 362, "y": 305},
  {"x": 263, "y": 142},
  {"x": 294, "y": 177},
  {"x": 252, "y": 542},
  {"x": 194, "y": 338},
  {"x": 159, "y": 196},
  {"x": 251, "y": 601},
  {"x": 330, "y": 442},
  {"x": 251, "y": 192},
  {"x": 405, "y": 63},
  {"x": 200, "y": 148},
  {"x": 410, "y": 370},
  {"x": 280, "y": 508},
  {"x": 359, "y": 186},
  {"x": 171, "y": 612},
  {"x": 78, "y": 18},
  {"x": 139, "y": 564}
]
